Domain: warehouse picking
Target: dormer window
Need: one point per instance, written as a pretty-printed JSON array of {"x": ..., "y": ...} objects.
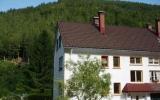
[{"x": 154, "y": 61}]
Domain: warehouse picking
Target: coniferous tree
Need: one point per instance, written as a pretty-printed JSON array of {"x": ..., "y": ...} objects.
[{"x": 41, "y": 63}]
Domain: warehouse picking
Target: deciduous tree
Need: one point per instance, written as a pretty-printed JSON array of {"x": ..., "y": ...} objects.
[{"x": 88, "y": 81}]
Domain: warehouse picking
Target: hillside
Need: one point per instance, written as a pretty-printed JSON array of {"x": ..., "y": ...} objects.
[
  {"x": 23, "y": 24},
  {"x": 28, "y": 33}
]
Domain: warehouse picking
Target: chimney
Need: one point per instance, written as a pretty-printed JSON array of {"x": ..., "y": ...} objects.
[
  {"x": 96, "y": 21},
  {"x": 101, "y": 15},
  {"x": 158, "y": 27}
]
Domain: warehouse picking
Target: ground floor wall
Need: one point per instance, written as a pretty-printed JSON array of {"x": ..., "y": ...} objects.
[{"x": 125, "y": 96}]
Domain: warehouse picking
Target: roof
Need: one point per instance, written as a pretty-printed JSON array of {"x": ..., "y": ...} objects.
[
  {"x": 141, "y": 87},
  {"x": 85, "y": 35}
]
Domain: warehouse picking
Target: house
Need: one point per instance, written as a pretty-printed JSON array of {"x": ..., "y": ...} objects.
[{"x": 131, "y": 56}]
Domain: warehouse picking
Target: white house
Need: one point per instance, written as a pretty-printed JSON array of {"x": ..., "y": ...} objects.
[{"x": 131, "y": 55}]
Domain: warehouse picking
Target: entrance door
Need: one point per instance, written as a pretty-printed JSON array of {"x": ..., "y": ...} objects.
[{"x": 155, "y": 96}]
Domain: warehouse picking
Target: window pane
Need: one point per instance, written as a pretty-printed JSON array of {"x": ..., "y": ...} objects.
[
  {"x": 132, "y": 60},
  {"x": 132, "y": 76},
  {"x": 156, "y": 61},
  {"x": 116, "y": 61},
  {"x": 57, "y": 44},
  {"x": 59, "y": 41},
  {"x": 138, "y": 60},
  {"x": 139, "y": 76},
  {"x": 104, "y": 60},
  {"x": 155, "y": 76},
  {"x": 152, "y": 75},
  {"x": 116, "y": 88},
  {"x": 60, "y": 63},
  {"x": 150, "y": 60},
  {"x": 158, "y": 75}
]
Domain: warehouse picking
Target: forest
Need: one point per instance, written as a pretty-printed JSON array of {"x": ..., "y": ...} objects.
[{"x": 27, "y": 39}]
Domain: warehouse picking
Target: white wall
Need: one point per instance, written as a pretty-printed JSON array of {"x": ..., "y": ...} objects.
[
  {"x": 58, "y": 75},
  {"x": 121, "y": 75}
]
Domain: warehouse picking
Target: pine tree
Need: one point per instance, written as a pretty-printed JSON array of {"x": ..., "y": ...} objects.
[{"x": 41, "y": 64}]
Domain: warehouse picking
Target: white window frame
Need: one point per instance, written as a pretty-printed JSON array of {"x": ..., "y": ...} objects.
[
  {"x": 118, "y": 62},
  {"x": 135, "y": 75},
  {"x": 104, "y": 59},
  {"x": 154, "y": 77},
  {"x": 119, "y": 88},
  {"x": 153, "y": 61},
  {"x": 135, "y": 61}
]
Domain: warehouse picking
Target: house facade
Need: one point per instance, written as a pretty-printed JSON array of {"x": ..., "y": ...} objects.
[{"x": 130, "y": 55}]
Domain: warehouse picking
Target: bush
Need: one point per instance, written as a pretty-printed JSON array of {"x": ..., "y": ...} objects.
[{"x": 39, "y": 97}]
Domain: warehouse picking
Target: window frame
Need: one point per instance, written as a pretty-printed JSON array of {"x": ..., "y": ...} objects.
[
  {"x": 114, "y": 61},
  {"x": 57, "y": 45},
  {"x": 60, "y": 41},
  {"x": 154, "y": 77},
  {"x": 153, "y": 61},
  {"x": 119, "y": 88},
  {"x": 135, "y": 62},
  {"x": 60, "y": 66},
  {"x": 136, "y": 76},
  {"x": 104, "y": 65}
]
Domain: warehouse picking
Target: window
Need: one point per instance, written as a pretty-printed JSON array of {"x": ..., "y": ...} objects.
[
  {"x": 155, "y": 76},
  {"x": 59, "y": 42},
  {"x": 61, "y": 63},
  {"x": 136, "y": 60},
  {"x": 116, "y": 88},
  {"x": 137, "y": 98},
  {"x": 136, "y": 76},
  {"x": 154, "y": 61},
  {"x": 104, "y": 60},
  {"x": 116, "y": 62}
]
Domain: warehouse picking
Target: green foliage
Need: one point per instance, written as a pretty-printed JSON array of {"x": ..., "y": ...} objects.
[
  {"x": 88, "y": 82},
  {"x": 18, "y": 26},
  {"x": 10, "y": 79},
  {"x": 40, "y": 69},
  {"x": 39, "y": 97}
]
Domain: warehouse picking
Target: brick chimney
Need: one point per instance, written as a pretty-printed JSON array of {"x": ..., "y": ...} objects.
[
  {"x": 158, "y": 27},
  {"x": 101, "y": 15}
]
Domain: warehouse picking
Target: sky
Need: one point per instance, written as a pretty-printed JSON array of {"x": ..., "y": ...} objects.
[
  {"x": 8, "y": 4},
  {"x": 157, "y": 2}
]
